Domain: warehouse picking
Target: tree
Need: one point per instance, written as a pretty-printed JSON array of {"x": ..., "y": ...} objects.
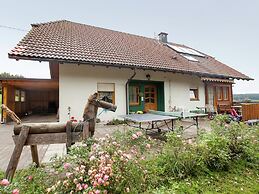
[{"x": 8, "y": 75}]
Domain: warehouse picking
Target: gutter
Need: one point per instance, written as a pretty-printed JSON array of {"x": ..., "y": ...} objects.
[
  {"x": 138, "y": 66},
  {"x": 127, "y": 91}
]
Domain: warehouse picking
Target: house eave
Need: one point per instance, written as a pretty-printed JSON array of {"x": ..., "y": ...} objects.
[{"x": 199, "y": 74}]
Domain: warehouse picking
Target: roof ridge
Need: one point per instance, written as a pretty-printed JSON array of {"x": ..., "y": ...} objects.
[
  {"x": 50, "y": 22},
  {"x": 102, "y": 28}
]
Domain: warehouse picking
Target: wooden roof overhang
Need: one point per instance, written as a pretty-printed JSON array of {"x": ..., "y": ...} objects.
[
  {"x": 217, "y": 80},
  {"x": 31, "y": 84}
]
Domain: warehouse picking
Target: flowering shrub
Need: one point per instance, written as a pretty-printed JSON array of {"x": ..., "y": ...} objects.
[
  {"x": 30, "y": 181},
  {"x": 113, "y": 164},
  {"x": 132, "y": 162}
]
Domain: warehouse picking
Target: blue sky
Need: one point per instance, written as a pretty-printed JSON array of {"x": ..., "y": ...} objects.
[{"x": 227, "y": 30}]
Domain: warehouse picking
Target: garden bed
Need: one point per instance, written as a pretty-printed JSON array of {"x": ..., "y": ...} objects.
[{"x": 224, "y": 160}]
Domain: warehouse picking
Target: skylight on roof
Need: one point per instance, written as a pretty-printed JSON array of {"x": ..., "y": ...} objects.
[
  {"x": 189, "y": 57},
  {"x": 185, "y": 50}
]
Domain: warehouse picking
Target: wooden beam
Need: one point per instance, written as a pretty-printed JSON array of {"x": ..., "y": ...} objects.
[
  {"x": 40, "y": 128},
  {"x": 49, "y": 138},
  {"x": 21, "y": 139},
  {"x": 34, "y": 155},
  {"x": 69, "y": 134},
  {"x": 86, "y": 133}
]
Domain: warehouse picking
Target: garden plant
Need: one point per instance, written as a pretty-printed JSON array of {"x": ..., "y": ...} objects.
[{"x": 224, "y": 160}]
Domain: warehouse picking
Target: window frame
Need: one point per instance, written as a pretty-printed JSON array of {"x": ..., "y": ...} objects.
[
  {"x": 23, "y": 98},
  {"x": 113, "y": 92},
  {"x": 220, "y": 94},
  {"x": 196, "y": 94},
  {"x": 137, "y": 88},
  {"x": 225, "y": 89},
  {"x": 17, "y": 96}
]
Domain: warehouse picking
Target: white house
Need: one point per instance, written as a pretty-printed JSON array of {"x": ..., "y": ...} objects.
[{"x": 134, "y": 72}]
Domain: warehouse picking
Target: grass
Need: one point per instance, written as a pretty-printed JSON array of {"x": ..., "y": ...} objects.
[{"x": 238, "y": 179}]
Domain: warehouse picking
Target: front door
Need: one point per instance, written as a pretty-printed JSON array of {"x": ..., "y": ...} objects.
[{"x": 150, "y": 97}]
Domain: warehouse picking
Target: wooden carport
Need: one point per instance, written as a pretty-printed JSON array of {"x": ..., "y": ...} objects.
[{"x": 29, "y": 96}]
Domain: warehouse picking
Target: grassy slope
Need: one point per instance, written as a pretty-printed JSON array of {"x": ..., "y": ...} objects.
[{"x": 238, "y": 180}]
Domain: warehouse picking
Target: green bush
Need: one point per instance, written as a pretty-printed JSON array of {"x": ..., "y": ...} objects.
[
  {"x": 30, "y": 181},
  {"x": 131, "y": 162},
  {"x": 215, "y": 151}
]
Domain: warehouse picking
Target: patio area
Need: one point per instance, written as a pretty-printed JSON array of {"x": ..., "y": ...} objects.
[{"x": 46, "y": 152}]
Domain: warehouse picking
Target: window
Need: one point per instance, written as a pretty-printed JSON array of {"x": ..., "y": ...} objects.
[
  {"x": 133, "y": 95},
  {"x": 17, "y": 96},
  {"x": 22, "y": 96},
  {"x": 106, "y": 92},
  {"x": 219, "y": 93},
  {"x": 194, "y": 94},
  {"x": 225, "y": 93}
]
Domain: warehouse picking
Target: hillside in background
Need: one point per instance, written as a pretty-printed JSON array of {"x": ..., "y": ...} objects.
[{"x": 246, "y": 97}]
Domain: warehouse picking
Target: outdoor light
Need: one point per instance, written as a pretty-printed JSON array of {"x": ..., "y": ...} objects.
[{"x": 148, "y": 76}]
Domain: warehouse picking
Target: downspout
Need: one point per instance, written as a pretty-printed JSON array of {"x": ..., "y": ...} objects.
[{"x": 127, "y": 91}]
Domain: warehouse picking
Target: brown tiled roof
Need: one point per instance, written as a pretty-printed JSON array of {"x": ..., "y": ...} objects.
[{"x": 67, "y": 41}]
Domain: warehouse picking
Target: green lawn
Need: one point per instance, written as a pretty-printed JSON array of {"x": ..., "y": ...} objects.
[{"x": 238, "y": 180}]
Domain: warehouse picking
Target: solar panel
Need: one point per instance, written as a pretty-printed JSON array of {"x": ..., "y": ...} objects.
[
  {"x": 189, "y": 57},
  {"x": 184, "y": 50}
]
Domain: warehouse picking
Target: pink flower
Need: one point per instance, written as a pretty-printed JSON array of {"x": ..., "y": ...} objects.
[
  {"x": 66, "y": 165},
  {"x": 16, "y": 191},
  {"x": 69, "y": 174},
  {"x": 106, "y": 177},
  {"x": 85, "y": 186},
  {"x": 30, "y": 178},
  {"x": 139, "y": 133},
  {"x": 100, "y": 181},
  {"x": 97, "y": 192},
  {"x": 4, "y": 182},
  {"x": 134, "y": 136},
  {"x": 92, "y": 158},
  {"x": 75, "y": 181},
  {"x": 79, "y": 187},
  {"x": 95, "y": 184},
  {"x": 148, "y": 146}
]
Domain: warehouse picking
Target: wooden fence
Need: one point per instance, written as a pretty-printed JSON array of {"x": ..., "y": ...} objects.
[{"x": 250, "y": 111}]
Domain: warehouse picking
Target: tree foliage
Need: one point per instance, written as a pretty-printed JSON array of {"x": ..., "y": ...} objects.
[{"x": 9, "y": 75}]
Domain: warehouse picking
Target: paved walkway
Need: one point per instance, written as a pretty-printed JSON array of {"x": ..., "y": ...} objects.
[{"x": 48, "y": 151}]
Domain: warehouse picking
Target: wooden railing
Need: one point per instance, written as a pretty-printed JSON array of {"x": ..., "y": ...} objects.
[{"x": 250, "y": 111}]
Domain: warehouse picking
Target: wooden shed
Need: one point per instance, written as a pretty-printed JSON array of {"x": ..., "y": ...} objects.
[{"x": 27, "y": 96}]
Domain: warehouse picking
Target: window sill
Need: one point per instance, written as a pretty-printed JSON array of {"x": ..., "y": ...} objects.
[
  {"x": 194, "y": 99},
  {"x": 134, "y": 104}
]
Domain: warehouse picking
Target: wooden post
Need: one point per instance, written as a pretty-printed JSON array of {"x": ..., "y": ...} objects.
[
  {"x": 17, "y": 153},
  {"x": 69, "y": 134},
  {"x": 34, "y": 155},
  {"x": 85, "y": 130}
]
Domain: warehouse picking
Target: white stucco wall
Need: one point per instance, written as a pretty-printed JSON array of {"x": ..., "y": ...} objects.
[{"x": 77, "y": 82}]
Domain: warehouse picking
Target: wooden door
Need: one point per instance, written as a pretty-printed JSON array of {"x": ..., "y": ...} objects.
[{"x": 150, "y": 97}]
